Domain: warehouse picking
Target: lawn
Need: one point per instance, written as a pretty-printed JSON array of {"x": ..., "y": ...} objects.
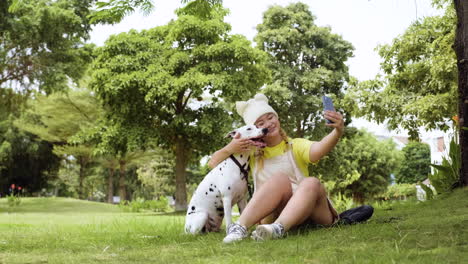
[{"x": 62, "y": 230}]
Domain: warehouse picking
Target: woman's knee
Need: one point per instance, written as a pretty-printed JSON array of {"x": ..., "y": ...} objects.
[{"x": 314, "y": 185}]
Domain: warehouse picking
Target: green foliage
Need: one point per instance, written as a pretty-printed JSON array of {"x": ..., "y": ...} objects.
[
  {"x": 398, "y": 191},
  {"x": 148, "y": 80},
  {"x": 361, "y": 165},
  {"x": 200, "y": 8},
  {"x": 13, "y": 200},
  {"x": 419, "y": 85},
  {"x": 429, "y": 192},
  {"x": 155, "y": 80},
  {"x": 141, "y": 205},
  {"x": 447, "y": 174},
  {"x": 113, "y": 11},
  {"x": 158, "y": 174},
  {"x": 43, "y": 43},
  {"x": 23, "y": 160},
  {"x": 307, "y": 61},
  {"x": 415, "y": 166},
  {"x": 60, "y": 116},
  {"x": 342, "y": 203},
  {"x": 59, "y": 119},
  {"x": 197, "y": 172}
]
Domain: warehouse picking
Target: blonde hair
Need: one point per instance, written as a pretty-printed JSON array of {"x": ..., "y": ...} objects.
[{"x": 259, "y": 154}]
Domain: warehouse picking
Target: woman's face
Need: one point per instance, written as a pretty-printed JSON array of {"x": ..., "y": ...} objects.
[{"x": 270, "y": 121}]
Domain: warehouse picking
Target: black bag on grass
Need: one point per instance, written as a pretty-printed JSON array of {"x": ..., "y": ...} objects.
[{"x": 356, "y": 215}]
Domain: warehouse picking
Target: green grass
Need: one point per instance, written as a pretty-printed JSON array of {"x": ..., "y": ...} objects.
[{"x": 60, "y": 230}]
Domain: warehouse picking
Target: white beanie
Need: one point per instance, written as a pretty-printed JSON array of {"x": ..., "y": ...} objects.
[{"x": 254, "y": 108}]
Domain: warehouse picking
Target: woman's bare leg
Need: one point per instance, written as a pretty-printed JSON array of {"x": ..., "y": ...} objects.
[
  {"x": 309, "y": 201},
  {"x": 273, "y": 194}
]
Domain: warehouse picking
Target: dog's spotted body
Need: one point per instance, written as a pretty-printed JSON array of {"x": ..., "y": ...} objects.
[{"x": 221, "y": 188}]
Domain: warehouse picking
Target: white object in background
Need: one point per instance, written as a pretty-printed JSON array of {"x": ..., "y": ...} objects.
[
  {"x": 116, "y": 199},
  {"x": 170, "y": 200},
  {"x": 420, "y": 193}
]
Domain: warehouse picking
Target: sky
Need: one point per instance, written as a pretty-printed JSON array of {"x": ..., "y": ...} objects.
[{"x": 364, "y": 23}]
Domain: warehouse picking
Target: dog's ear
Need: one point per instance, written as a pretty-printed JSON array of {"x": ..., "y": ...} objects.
[{"x": 231, "y": 134}]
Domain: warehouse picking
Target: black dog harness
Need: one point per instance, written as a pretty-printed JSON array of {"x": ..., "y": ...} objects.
[{"x": 244, "y": 171}]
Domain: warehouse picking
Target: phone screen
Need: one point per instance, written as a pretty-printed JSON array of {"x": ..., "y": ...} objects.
[{"x": 328, "y": 105}]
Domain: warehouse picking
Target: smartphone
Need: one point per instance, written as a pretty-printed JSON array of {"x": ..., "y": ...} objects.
[{"x": 328, "y": 105}]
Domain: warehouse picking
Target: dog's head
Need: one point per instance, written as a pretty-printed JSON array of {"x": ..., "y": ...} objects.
[
  {"x": 195, "y": 221},
  {"x": 251, "y": 132}
]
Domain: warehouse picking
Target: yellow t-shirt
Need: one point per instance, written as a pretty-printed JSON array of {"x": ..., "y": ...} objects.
[{"x": 301, "y": 148}]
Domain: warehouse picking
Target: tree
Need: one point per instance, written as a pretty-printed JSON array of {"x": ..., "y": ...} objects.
[
  {"x": 34, "y": 54},
  {"x": 461, "y": 50},
  {"x": 418, "y": 88},
  {"x": 113, "y": 11},
  {"x": 158, "y": 174},
  {"x": 361, "y": 165},
  {"x": 23, "y": 160},
  {"x": 110, "y": 163},
  {"x": 307, "y": 61},
  {"x": 155, "y": 80},
  {"x": 131, "y": 160},
  {"x": 59, "y": 118},
  {"x": 119, "y": 148},
  {"x": 415, "y": 166}
]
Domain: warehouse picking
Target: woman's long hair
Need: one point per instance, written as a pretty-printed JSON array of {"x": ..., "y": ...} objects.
[{"x": 259, "y": 154}]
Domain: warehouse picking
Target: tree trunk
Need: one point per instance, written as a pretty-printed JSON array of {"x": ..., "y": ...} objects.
[
  {"x": 81, "y": 177},
  {"x": 358, "y": 198},
  {"x": 110, "y": 186},
  {"x": 122, "y": 181},
  {"x": 461, "y": 49},
  {"x": 180, "y": 174}
]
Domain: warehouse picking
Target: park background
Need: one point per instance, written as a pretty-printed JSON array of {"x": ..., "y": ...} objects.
[{"x": 109, "y": 111}]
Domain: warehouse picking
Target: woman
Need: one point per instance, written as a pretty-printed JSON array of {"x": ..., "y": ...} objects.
[{"x": 284, "y": 195}]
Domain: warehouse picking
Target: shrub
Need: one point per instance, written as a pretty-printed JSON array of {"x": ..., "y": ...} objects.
[
  {"x": 140, "y": 205},
  {"x": 359, "y": 166},
  {"x": 342, "y": 203},
  {"x": 416, "y": 163},
  {"x": 398, "y": 191},
  {"x": 447, "y": 175},
  {"x": 13, "y": 200}
]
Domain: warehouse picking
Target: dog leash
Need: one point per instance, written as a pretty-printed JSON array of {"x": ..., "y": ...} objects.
[{"x": 244, "y": 172}]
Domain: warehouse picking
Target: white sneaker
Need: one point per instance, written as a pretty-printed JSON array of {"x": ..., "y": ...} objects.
[
  {"x": 235, "y": 232},
  {"x": 266, "y": 232}
]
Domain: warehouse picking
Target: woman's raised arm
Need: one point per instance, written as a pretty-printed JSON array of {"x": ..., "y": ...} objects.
[{"x": 321, "y": 148}]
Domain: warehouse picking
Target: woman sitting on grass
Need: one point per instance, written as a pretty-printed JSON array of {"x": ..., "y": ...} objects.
[{"x": 284, "y": 195}]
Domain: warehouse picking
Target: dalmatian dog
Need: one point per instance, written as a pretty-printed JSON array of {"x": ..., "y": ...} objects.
[{"x": 222, "y": 187}]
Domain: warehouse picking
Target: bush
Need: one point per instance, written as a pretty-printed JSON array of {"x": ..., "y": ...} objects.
[
  {"x": 398, "y": 192},
  {"x": 342, "y": 203},
  {"x": 13, "y": 200},
  {"x": 416, "y": 163},
  {"x": 359, "y": 166},
  {"x": 141, "y": 205},
  {"x": 447, "y": 174}
]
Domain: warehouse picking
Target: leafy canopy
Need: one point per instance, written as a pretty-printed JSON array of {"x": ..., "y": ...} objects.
[
  {"x": 307, "y": 61},
  {"x": 415, "y": 167},
  {"x": 419, "y": 83},
  {"x": 42, "y": 43},
  {"x": 172, "y": 82},
  {"x": 24, "y": 160},
  {"x": 360, "y": 165},
  {"x": 158, "y": 78}
]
